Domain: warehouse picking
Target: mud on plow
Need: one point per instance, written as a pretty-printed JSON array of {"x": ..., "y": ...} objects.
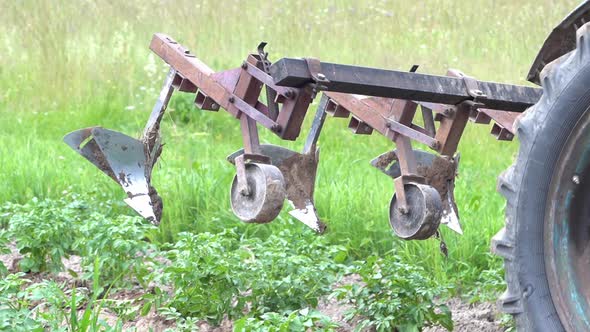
[{"x": 406, "y": 107}]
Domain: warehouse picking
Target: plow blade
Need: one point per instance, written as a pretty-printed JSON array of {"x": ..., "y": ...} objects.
[
  {"x": 299, "y": 171},
  {"x": 124, "y": 159},
  {"x": 439, "y": 173}
]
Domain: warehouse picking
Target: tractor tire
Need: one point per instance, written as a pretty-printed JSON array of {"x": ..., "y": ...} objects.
[{"x": 538, "y": 295}]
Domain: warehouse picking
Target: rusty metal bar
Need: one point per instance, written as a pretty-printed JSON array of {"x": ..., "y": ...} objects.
[
  {"x": 248, "y": 89},
  {"x": 358, "y": 127},
  {"x": 375, "y": 118},
  {"x": 504, "y": 119},
  {"x": 403, "y": 111},
  {"x": 404, "y": 85},
  {"x": 249, "y": 135},
  {"x": 408, "y": 167},
  {"x": 210, "y": 84},
  {"x": 428, "y": 119},
  {"x": 292, "y": 115},
  {"x": 502, "y": 129},
  {"x": 316, "y": 126},
  {"x": 267, "y": 80},
  {"x": 451, "y": 129},
  {"x": 412, "y": 133}
]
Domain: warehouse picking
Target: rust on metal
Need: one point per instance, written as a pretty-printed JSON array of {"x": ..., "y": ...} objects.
[
  {"x": 336, "y": 111},
  {"x": 359, "y": 127},
  {"x": 204, "y": 102},
  {"x": 504, "y": 120},
  {"x": 479, "y": 116},
  {"x": 451, "y": 129}
]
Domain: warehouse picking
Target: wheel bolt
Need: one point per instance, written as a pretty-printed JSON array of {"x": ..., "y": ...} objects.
[{"x": 576, "y": 179}]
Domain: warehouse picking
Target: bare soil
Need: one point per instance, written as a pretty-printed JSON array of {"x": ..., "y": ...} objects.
[{"x": 480, "y": 317}]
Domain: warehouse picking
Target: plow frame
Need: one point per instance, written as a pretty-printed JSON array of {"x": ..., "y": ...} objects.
[{"x": 375, "y": 100}]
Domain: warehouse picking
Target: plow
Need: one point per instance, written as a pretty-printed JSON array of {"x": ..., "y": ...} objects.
[
  {"x": 548, "y": 287},
  {"x": 372, "y": 100}
]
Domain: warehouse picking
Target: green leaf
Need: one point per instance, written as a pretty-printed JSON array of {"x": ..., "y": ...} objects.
[{"x": 145, "y": 309}]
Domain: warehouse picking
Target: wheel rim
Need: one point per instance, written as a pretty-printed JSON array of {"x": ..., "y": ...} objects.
[
  {"x": 267, "y": 193},
  {"x": 423, "y": 216},
  {"x": 567, "y": 230}
]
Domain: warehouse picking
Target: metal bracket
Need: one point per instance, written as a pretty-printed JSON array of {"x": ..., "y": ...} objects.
[
  {"x": 320, "y": 82},
  {"x": 408, "y": 170},
  {"x": 264, "y": 57},
  {"x": 473, "y": 88},
  {"x": 241, "y": 175},
  {"x": 240, "y": 162},
  {"x": 400, "y": 190},
  {"x": 271, "y": 95},
  {"x": 316, "y": 126}
]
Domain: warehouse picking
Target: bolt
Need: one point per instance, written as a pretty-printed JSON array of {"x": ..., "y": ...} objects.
[
  {"x": 576, "y": 179},
  {"x": 290, "y": 94},
  {"x": 214, "y": 106},
  {"x": 528, "y": 290},
  {"x": 449, "y": 112},
  {"x": 231, "y": 99},
  {"x": 403, "y": 209},
  {"x": 244, "y": 65},
  {"x": 321, "y": 76},
  {"x": 388, "y": 125},
  {"x": 435, "y": 145},
  {"x": 276, "y": 128},
  {"x": 477, "y": 92}
]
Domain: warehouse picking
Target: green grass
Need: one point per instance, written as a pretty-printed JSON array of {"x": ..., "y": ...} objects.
[{"x": 67, "y": 65}]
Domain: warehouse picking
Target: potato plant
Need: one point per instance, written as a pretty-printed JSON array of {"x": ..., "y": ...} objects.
[
  {"x": 45, "y": 231},
  {"x": 271, "y": 283},
  {"x": 394, "y": 296},
  {"x": 119, "y": 244},
  {"x": 299, "y": 320}
]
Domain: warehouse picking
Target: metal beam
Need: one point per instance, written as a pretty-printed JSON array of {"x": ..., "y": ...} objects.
[{"x": 404, "y": 85}]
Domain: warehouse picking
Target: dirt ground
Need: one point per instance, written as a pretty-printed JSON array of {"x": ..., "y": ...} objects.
[{"x": 481, "y": 317}]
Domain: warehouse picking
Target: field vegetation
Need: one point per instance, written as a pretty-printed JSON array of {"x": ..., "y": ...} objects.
[{"x": 67, "y": 65}]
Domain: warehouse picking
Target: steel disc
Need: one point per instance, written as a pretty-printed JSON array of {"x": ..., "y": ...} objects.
[
  {"x": 423, "y": 216},
  {"x": 267, "y": 194}
]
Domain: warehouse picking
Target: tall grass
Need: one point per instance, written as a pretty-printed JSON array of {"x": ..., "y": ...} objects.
[{"x": 65, "y": 65}]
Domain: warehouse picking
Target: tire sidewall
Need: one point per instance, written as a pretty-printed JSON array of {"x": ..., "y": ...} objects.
[{"x": 553, "y": 122}]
